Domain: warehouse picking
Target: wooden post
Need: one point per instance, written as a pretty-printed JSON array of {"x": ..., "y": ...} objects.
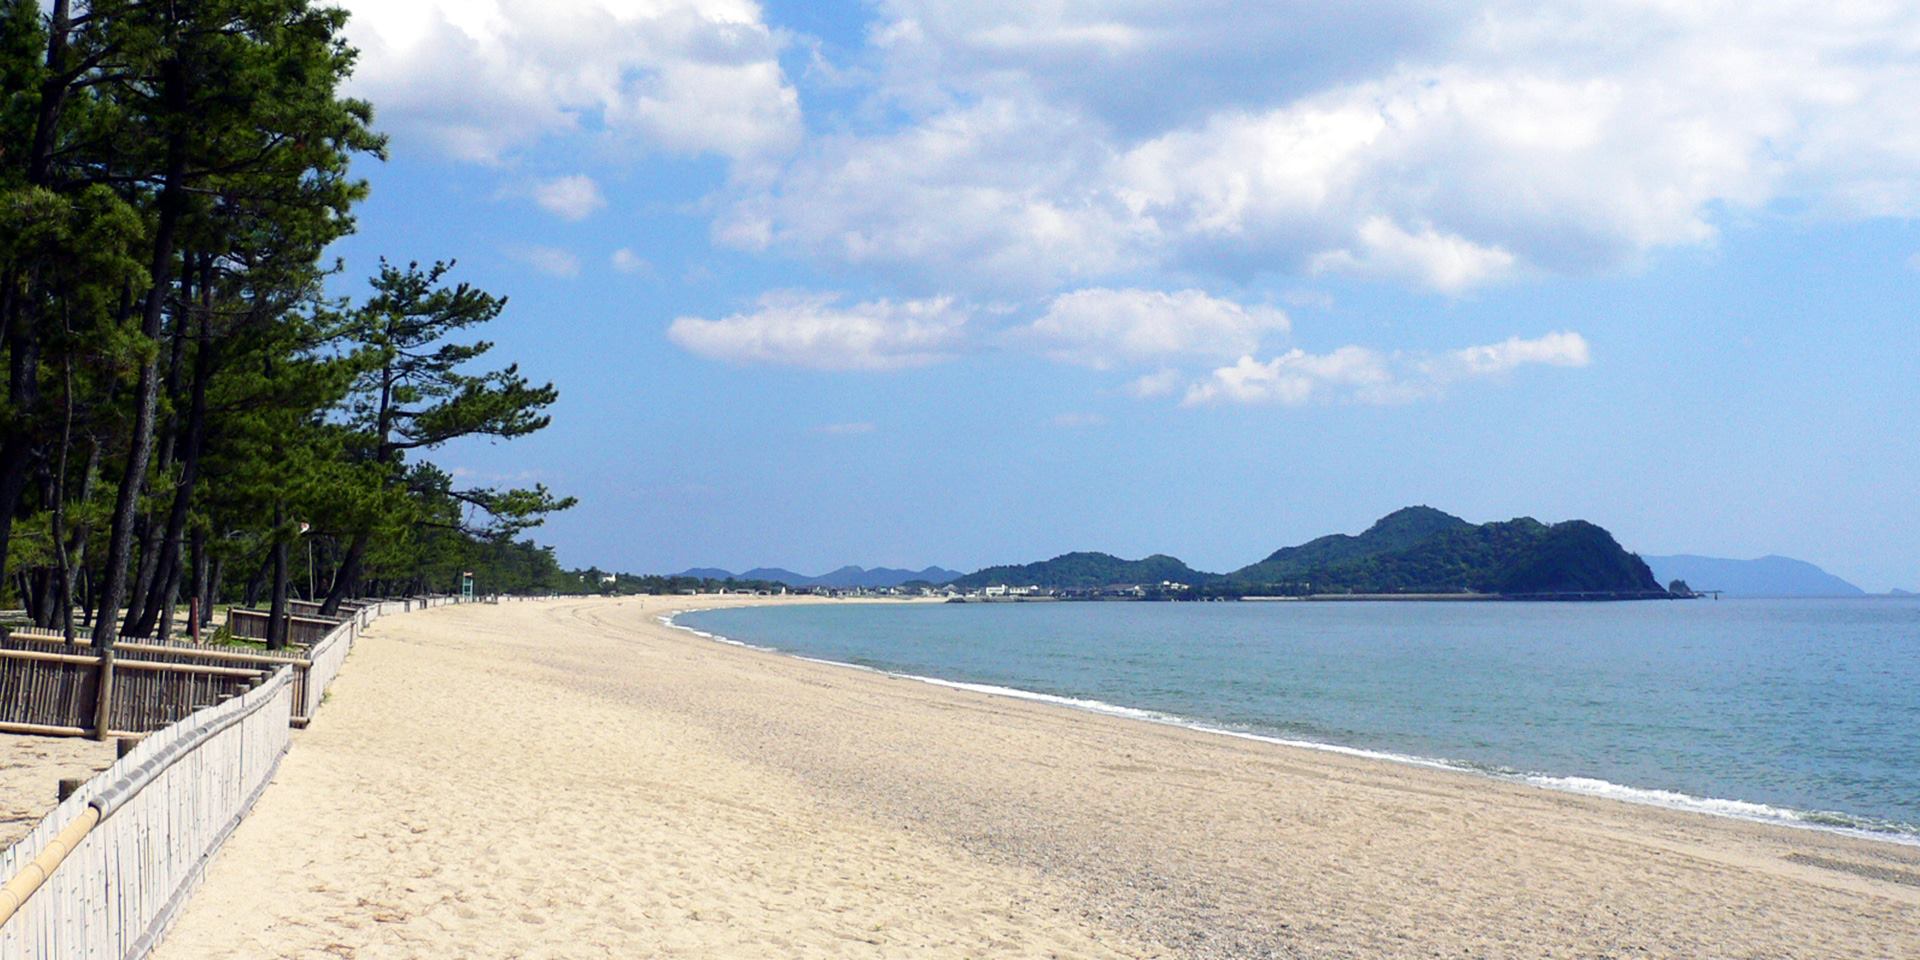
[{"x": 103, "y": 696}]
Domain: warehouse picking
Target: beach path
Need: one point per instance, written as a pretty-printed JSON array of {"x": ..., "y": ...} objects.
[
  {"x": 572, "y": 779},
  {"x": 518, "y": 781}
]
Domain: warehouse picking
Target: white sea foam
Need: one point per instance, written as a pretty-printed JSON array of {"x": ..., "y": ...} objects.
[{"x": 1831, "y": 822}]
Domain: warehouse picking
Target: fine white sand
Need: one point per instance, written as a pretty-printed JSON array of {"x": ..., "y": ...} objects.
[{"x": 571, "y": 779}]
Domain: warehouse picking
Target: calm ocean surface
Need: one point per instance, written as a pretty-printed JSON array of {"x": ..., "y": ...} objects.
[{"x": 1798, "y": 710}]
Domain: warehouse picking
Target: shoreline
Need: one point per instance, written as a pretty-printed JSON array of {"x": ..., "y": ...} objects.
[
  {"x": 575, "y": 778},
  {"x": 1833, "y": 822}
]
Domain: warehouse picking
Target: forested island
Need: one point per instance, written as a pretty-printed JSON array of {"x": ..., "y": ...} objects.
[{"x": 1415, "y": 551}]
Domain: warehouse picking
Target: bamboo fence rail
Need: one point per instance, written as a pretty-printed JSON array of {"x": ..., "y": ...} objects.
[
  {"x": 252, "y": 625},
  {"x": 105, "y": 872},
  {"x": 55, "y": 692},
  {"x": 48, "y": 687}
]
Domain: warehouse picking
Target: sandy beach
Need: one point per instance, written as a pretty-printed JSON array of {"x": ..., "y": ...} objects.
[{"x": 572, "y": 779}]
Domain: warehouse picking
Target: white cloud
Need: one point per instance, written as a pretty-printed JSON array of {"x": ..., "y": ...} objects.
[
  {"x": 813, "y": 330},
  {"x": 992, "y": 194},
  {"x": 1156, "y": 384},
  {"x": 481, "y": 78},
  {"x": 569, "y": 198},
  {"x": 1101, "y": 327},
  {"x": 1136, "y": 65},
  {"x": 1560, "y": 349},
  {"x": 1308, "y": 299},
  {"x": 551, "y": 261},
  {"x": 1444, "y": 147},
  {"x": 625, "y": 260},
  {"x": 1361, "y": 375},
  {"x": 1293, "y": 378},
  {"x": 1428, "y": 258}
]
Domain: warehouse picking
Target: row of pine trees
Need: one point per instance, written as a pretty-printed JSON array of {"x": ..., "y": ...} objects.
[{"x": 189, "y": 413}]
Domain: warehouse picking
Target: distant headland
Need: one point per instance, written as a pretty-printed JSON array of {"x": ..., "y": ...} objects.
[{"x": 1412, "y": 553}]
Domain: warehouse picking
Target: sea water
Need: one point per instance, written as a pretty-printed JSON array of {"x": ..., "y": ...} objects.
[{"x": 1799, "y": 711}]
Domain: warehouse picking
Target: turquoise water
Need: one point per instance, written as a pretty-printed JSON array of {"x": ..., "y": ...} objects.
[{"x": 1804, "y": 711}]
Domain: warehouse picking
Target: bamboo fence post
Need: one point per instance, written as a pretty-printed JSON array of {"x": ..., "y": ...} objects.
[{"x": 103, "y": 699}]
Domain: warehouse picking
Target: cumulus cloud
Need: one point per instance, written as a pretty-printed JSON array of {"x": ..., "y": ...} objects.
[
  {"x": 813, "y": 330},
  {"x": 1439, "y": 147},
  {"x": 481, "y": 79},
  {"x": 1156, "y": 384},
  {"x": 552, "y": 261},
  {"x": 1293, "y": 378},
  {"x": 624, "y": 260},
  {"x": 1442, "y": 262},
  {"x": 1100, "y": 327},
  {"x": 569, "y": 198},
  {"x": 1359, "y": 374},
  {"x": 1560, "y": 349},
  {"x": 1113, "y": 61},
  {"x": 992, "y": 195}
]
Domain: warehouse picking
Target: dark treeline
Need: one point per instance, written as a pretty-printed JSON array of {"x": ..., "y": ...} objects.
[
  {"x": 594, "y": 580},
  {"x": 188, "y": 413}
]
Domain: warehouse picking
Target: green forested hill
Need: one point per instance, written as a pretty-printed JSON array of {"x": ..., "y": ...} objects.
[
  {"x": 1521, "y": 556},
  {"x": 1412, "y": 550},
  {"x": 1399, "y": 530},
  {"x": 1079, "y": 571}
]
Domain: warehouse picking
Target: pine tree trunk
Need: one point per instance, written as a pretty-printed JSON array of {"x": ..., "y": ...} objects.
[
  {"x": 277, "y": 614},
  {"x": 36, "y": 595},
  {"x": 142, "y": 577},
  {"x": 250, "y": 595},
  {"x": 215, "y": 580},
  {"x": 77, "y": 549},
  {"x": 197, "y": 588},
  {"x": 140, "y": 452},
  {"x": 142, "y": 610},
  {"x": 166, "y": 578},
  {"x": 347, "y": 577}
]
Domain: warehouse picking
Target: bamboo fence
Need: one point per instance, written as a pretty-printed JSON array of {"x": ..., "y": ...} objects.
[
  {"x": 48, "y": 688},
  {"x": 105, "y": 872},
  {"x": 305, "y": 631}
]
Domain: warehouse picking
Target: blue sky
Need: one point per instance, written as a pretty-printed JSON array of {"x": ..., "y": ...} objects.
[{"x": 915, "y": 282}]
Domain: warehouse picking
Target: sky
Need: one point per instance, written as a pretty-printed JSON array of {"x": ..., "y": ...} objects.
[{"x": 911, "y": 282}]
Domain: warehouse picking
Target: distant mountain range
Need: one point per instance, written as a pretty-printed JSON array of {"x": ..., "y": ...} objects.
[
  {"x": 1413, "y": 550},
  {"x": 1766, "y": 577},
  {"x": 843, "y": 578}
]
